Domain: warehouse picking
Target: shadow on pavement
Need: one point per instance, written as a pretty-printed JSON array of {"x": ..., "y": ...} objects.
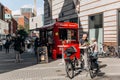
[
  {"x": 100, "y": 74},
  {"x": 107, "y": 78},
  {"x": 103, "y": 65},
  {"x": 7, "y": 61}
]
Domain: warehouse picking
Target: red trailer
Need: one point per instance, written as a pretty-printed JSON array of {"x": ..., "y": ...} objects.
[{"x": 59, "y": 33}]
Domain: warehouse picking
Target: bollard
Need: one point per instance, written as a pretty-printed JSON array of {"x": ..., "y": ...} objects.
[{"x": 54, "y": 55}]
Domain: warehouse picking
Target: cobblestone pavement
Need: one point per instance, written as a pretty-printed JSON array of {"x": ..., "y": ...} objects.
[{"x": 29, "y": 70}]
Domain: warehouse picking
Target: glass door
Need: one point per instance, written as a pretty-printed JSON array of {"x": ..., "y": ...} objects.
[{"x": 96, "y": 28}]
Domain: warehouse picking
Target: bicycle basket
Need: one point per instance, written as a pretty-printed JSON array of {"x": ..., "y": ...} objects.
[{"x": 71, "y": 50}]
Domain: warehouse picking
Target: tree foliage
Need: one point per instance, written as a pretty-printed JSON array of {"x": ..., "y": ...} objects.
[{"x": 22, "y": 33}]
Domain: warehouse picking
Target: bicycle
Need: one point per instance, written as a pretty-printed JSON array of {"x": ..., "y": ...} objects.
[
  {"x": 93, "y": 66},
  {"x": 109, "y": 51},
  {"x": 72, "y": 62}
]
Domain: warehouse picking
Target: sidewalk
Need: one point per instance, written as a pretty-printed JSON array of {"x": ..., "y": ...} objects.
[
  {"x": 7, "y": 61},
  {"x": 29, "y": 70}
]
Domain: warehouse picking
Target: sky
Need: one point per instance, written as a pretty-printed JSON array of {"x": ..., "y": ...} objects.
[{"x": 15, "y": 5}]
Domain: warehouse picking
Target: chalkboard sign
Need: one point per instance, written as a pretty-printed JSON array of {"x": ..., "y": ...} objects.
[{"x": 42, "y": 54}]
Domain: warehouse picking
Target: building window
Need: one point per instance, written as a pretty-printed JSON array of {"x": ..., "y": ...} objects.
[
  {"x": 75, "y": 20},
  {"x": 62, "y": 14},
  {"x": 96, "y": 21}
]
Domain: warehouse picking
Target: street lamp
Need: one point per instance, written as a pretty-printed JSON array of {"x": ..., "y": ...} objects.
[{"x": 77, "y": 4}]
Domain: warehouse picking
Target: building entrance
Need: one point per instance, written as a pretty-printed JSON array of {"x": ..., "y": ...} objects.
[{"x": 96, "y": 28}]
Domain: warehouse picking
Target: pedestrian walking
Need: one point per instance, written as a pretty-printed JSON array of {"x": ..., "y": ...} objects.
[
  {"x": 18, "y": 48},
  {"x": 36, "y": 45},
  {"x": 7, "y": 45},
  {"x": 1, "y": 44}
]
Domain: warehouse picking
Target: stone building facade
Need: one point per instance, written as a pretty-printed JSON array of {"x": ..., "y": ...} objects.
[
  {"x": 62, "y": 10},
  {"x": 23, "y": 22},
  {"x": 99, "y": 18},
  {"x": 2, "y": 12}
]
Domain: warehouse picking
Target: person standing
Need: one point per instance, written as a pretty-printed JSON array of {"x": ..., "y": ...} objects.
[
  {"x": 83, "y": 53},
  {"x": 17, "y": 48},
  {"x": 36, "y": 44},
  {"x": 7, "y": 45},
  {"x": 3, "y": 42},
  {"x": 1, "y": 45},
  {"x": 83, "y": 42},
  {"x": 94, "y": 46}
]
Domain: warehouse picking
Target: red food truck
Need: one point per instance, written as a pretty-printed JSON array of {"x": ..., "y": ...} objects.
[{"x": 59, "y": 33}]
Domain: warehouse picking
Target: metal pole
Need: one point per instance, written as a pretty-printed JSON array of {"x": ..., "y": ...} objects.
[
  {"x": 78, "y": 20},
  {"x": 77, "y": 4},
  {"x": 78, "y": 27}
]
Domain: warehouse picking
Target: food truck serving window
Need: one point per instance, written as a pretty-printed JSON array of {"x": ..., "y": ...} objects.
[{"x": 65, "y": 34}]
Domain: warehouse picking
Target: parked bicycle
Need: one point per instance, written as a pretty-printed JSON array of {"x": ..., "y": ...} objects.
[
  {"x": 108, "y": 51},
  {"x": 72, "y": 63}
]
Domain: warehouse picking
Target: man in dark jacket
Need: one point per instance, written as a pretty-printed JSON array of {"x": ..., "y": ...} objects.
[
  {"x": 83, "y": 42},
  {"x": 7, "y": 45},
  {"x": 36, "y": 45},
  {"x": 17, "y": 47}
]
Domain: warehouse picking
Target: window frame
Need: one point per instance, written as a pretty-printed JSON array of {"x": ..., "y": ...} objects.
[{"x": 100, "y": 25}]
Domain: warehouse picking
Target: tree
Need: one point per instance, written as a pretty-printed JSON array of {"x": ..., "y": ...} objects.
[
  {"x": 20, "y": 27},
  {"x": 22, "y": 33},
  {"x": 26, "y": 28}
]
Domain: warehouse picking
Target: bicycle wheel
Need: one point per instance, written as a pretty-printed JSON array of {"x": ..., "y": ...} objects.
[
  {"x": 69, "y": 69},
  {"x": 92, "y": 69}
]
